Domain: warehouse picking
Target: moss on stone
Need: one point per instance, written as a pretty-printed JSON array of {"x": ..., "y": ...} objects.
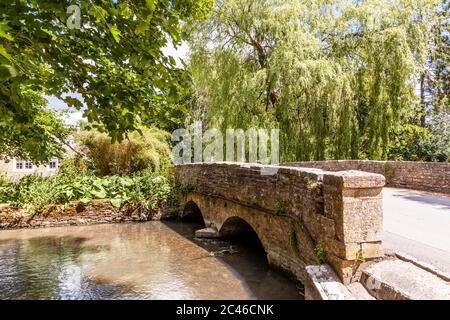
[
  {"x": 321, "y": 254},
  {"x": 292, "y": 239}
]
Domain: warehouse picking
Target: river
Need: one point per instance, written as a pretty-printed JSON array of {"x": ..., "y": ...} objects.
[{"x": 151, "y": 260}]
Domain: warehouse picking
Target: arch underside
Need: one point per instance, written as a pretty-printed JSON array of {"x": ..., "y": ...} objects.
[
  {"x": 191, "y": 212},
  {"x": 235, "y": 226}
]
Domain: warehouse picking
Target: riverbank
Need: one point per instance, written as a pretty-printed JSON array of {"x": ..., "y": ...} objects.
[{"x": 97, "y": 211}]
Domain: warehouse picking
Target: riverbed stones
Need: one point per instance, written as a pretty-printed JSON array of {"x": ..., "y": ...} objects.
[{"x": 207, "y": 233}]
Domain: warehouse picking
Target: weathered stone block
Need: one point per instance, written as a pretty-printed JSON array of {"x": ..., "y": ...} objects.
[
  {"x": 372, "y": 249},
  {"x": 345, "y": 269},
  {"x": 354, "y": 251},
  {"x": 353, "y": 200},
  {"x": 321, "y": 283},
  {"x": 362, "y": 219}
]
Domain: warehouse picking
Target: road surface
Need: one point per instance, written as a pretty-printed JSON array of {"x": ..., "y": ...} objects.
[{"x": 418, "y": 223}]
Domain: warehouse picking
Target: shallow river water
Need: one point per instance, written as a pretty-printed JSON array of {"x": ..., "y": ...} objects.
[{"x": 152, "y": 260}]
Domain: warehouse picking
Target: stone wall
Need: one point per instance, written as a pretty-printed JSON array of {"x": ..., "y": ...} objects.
[
  {"x": 300, "y": 215},
  {"x": 74, "y": 213},
  {"x": 427, "y": 176}
]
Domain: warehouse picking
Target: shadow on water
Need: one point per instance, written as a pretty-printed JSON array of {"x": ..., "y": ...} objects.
[{"x": 247, "y": 260}]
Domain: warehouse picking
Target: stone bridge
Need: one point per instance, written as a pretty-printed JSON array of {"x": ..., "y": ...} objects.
[{"x": 302, "y": 216}]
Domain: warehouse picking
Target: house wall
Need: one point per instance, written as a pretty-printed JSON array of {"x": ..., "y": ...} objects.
[{"x": 9, "y": 168}]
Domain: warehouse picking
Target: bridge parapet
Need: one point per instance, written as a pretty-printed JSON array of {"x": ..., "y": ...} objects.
[
  {"x": 427, "y": 176},
  {"x": 302, "y": 216},
  {"x": 353, "y": 200}
]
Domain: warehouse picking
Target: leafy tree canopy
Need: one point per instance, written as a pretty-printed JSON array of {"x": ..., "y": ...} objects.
[
  {"x": 335, "y": 76},
  {"x": 114, "y": 60}
]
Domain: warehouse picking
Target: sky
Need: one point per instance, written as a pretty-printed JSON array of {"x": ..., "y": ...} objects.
[{"x": 54, "y": 103}]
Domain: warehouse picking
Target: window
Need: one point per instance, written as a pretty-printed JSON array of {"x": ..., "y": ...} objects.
[
  {"x": 19, "y": 164},
  {"x": 52, "y": 164},
  {"x": 23, "y": 165}
]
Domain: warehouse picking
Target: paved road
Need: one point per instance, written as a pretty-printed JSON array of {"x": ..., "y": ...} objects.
[{"x": 418, "y": 223}]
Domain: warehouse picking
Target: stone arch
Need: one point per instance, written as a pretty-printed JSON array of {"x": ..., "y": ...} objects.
[
  {"x": 238, "y": 226},
  {"x": 192, "y": 211}
]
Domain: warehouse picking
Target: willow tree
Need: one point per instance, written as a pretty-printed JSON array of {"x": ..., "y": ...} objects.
[
  {"x": 437, "y": 77},
  {"x": 334, "y": 76}
]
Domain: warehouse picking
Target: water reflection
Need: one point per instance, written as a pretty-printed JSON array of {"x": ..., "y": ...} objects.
[{"x": 151, "y": 260}]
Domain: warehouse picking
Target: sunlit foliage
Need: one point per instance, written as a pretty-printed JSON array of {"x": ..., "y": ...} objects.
[{"x": 335, "y": 76}]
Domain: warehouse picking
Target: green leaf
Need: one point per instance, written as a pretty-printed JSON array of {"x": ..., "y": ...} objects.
[
  {"x": 99, "y": 194},
  {"x": 4, "y": 28},
  {"x": 85, "y": 200},
  {"x": 4, "y": 53},
  {"x": 116, "y": 202},
  {"x": 125, "y": 10},
  {"x": 115, "y": 33},
  {"x": 141, "y": 28},
  {"x": 7, "y": 71},
  {"x": 151, "y": 7},
  {"x": 73, "y": 102}
]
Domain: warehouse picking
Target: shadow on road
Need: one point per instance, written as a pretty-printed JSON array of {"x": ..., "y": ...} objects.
[{"x": 442, "y": 202}]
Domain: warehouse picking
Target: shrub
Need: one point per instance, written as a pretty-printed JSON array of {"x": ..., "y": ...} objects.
[
  {"x": 33, "y": 192},
  {"x": 437, "y": 146},
  {"x": 405, "y": 142},
  {"x": 73, "y": 165},
  {"x": 8, "y": 192},
  {"x": 140, "y": 151},
  {"x": 150, "y": 190},
  {"x": 144, "y": 190},
  {"x": 432, "y": 143},
  {"x": 130, "y": 174}
]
